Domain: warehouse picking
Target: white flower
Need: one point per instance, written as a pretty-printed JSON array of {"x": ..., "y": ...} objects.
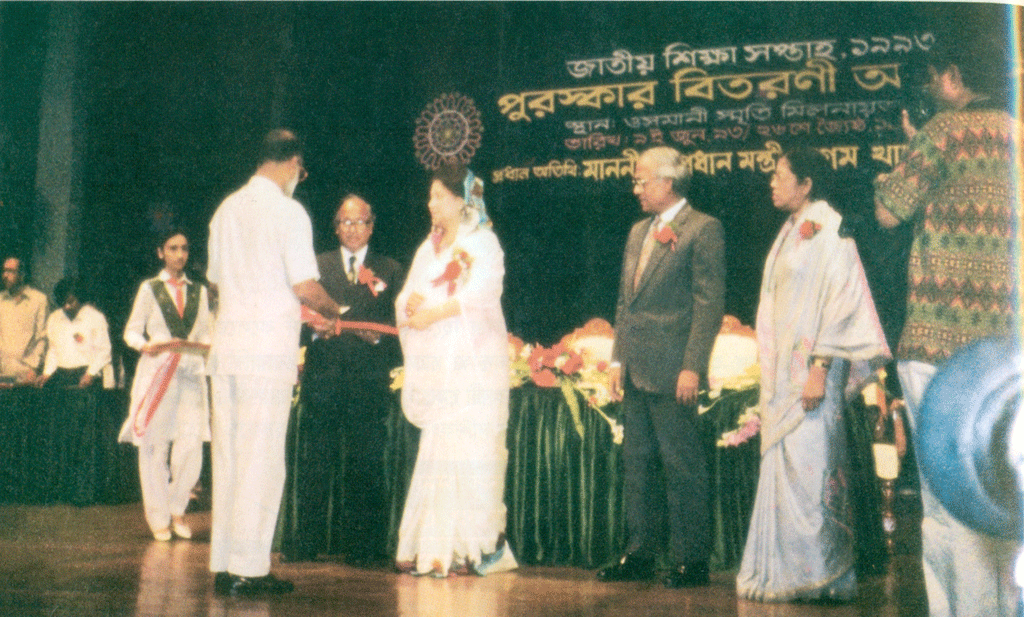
[{"x": 618, "y": 433}]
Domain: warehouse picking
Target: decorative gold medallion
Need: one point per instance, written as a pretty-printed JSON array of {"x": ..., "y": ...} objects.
[{"x": 448, "y": 131}]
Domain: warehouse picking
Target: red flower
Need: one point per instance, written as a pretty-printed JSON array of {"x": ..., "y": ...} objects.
[
  {"x": 552, "y": 355},
  {"x": 808, "y": 229},
  {"x": 667, "y": 235},
  {"x": 79, "y": 338},
  {"x": 536, "y": 359},
  {"x": 573, "y": 363},
  {"x": 368, "y": 278},
  {"x": 544, "y": 378},
  {"x": 460, "y": 261},
  {"x": 450, "y": 275}
]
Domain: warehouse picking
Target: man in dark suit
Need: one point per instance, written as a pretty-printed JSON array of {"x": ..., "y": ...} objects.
[
  {"x": 345, "y": 398},
  {"x": 669, "y": 312}
]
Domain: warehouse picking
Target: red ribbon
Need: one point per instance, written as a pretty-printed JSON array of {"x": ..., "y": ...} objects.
[
  {"x": 365, "y": 325},
  {"x": 313, "y": 318},
  {"x": 155, "y": 392}
]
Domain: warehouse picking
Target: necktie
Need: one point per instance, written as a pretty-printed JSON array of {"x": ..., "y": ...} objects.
[
  {"x": 645, "y": 252},
  {"x": 179, "y": 295},
  {"x": 352, "y": 269}
]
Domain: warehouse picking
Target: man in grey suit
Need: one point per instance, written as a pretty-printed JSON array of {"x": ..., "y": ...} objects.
[{"x": 669, "y": 312}]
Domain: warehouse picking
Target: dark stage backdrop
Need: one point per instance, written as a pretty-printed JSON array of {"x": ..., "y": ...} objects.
[{"x": 171, "y": 98}]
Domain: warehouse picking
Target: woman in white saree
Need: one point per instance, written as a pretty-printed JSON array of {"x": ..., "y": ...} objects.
[
  {"x": 455, "y": 388},
  {"x": 818, "y": 338}
]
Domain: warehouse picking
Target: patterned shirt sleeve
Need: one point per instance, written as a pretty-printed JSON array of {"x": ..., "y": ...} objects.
[{"x": 903, "y": 191}]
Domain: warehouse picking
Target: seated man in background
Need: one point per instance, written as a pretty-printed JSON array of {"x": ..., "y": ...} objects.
[
  {"x": 345, "y": 398},
  {"x": 79, "y": 341},
  {"x": 22, "y": 326}
]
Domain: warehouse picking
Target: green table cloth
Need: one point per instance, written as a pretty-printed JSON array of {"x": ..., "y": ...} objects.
[{"x": 564, "y": 491}]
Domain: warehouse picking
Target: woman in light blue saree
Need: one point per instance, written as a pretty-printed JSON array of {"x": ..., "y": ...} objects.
[{"x": 818, "y": 338}]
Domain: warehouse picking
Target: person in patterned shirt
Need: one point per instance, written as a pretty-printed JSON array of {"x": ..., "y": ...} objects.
[{"x": 954, "y": 186}]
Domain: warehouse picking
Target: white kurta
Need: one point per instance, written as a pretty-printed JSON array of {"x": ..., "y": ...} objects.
[
  {"x": 261, "y": 245},
  {"x": 456, "y": 391},
  {"x": 82, "y": 341},
  {"x": 183, "y": 411}
]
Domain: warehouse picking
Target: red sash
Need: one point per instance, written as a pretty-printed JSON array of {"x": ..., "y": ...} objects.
[{"x": 155, "y": 393}]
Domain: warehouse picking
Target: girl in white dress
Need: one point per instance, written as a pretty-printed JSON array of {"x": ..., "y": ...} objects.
[
  {"x": 169, "y": 416},
  {"x": 455, "y": 388}
]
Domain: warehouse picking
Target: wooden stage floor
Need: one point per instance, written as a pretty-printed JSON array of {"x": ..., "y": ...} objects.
[{"x": 100, "y": 561}]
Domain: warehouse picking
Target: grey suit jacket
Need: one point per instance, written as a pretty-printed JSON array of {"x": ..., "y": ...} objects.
[{"x": 670, "y": 321}]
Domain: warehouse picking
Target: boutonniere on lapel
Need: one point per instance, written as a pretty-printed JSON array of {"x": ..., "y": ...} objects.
[
  {"x": 667, "y": 235},
  {"x": 457, "y": 269},
  {"x": 79, "y": 338},
  {"x": 368, "y": 278},
  {"x": 809, "y": 228}
]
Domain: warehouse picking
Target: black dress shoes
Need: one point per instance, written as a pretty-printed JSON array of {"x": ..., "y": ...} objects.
[
  {"x": 221, "y": 583},
  {"x": 693, "y": 574},
  {"x": 227, "y": 584},
  {"x": 631, "y": 567}
]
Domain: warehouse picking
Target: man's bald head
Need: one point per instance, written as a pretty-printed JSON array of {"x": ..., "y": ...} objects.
[{"x": 353, "y": 223}]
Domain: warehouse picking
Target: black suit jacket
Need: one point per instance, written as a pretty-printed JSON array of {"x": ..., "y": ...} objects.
[
  {"x": 670, "y": 320},
  {"x": 347, "y": 354}
]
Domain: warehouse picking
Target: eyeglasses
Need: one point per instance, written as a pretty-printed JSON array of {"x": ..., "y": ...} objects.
[
  {"x": 642, "y": 184},
  {"x": 349, "y": 224}
]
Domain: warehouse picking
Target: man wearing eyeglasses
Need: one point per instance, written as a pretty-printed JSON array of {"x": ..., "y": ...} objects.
[
  {"x": 22, "y": 326},
  {"x": 671, "y": 298},
  {"x": 262, "y": 264},
  {"x": 345, "y": 395}
]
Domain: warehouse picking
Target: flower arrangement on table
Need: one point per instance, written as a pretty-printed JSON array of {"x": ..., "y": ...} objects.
[
  {"x": 733, "y": 368},
  {"x": 577, "y": 364}
]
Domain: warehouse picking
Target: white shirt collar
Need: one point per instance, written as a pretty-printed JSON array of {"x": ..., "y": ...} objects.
[
  {"x": 360, "y": 256},
  {"x": 165, "y": 276},
  {"x": 668, "y": 215},
  {"x": 267, "y": 183}
]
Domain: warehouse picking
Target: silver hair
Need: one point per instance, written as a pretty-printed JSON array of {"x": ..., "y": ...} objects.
[{"x": 669, "y": 163}]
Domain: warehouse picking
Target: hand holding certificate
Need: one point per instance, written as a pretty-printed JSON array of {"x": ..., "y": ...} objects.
[{"x": 176, "y": 345}]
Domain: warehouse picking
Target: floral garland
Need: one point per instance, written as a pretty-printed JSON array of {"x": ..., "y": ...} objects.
[{"x": 747, "y": 425}]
